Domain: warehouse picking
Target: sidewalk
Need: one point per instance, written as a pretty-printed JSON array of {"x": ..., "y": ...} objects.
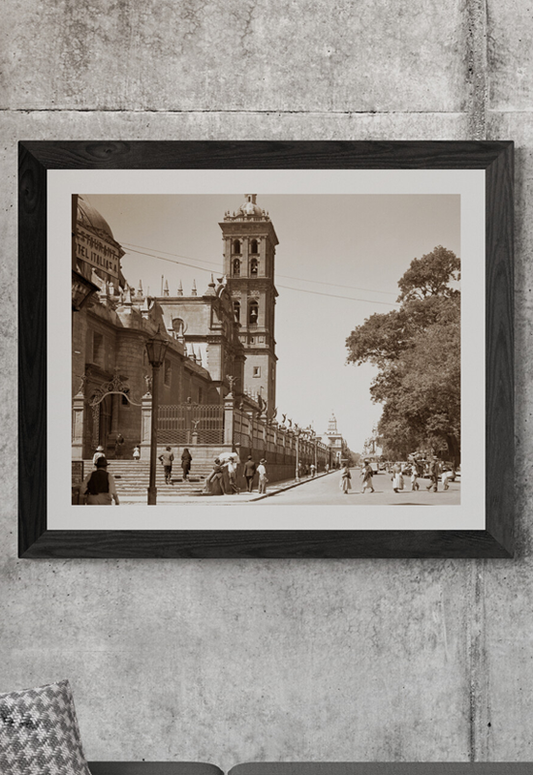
[{"x": 219, "y": 500}]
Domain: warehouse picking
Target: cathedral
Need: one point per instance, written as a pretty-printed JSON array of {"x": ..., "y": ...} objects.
[{"x": 217, "y": 385}]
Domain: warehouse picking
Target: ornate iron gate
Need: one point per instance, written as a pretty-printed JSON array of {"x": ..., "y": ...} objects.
[{"x": 182, "y": 424}]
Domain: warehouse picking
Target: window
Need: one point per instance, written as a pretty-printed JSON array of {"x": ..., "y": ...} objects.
[
  {"x": 253, "y": 246},
  {"x": 254, "y": 265},
  {"x": 236, "y": 267},
  {"x": 253, "y": 312},
  {"x": 237, "y": 311},
  {"x": 237, "y": 246},
  {"x": 167, "y": 372},
  {"x": 256, "y": 371},
  {"x": 124, "y": 400}
]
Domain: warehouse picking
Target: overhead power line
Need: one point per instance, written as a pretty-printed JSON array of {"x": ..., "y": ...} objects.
[
  {"x": 284, "y": 276},
  {"x": 285, "y": 287}
]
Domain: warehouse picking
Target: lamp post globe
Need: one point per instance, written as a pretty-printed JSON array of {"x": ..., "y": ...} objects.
[{"x": 156, "y": 349}]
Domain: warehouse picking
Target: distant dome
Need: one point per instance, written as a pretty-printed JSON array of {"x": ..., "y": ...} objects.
[
  {"x": 89, "y": 216},
  {"x": 250, "y": 207}
]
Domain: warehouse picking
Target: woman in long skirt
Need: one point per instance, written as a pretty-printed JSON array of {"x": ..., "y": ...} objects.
[
  {"x": 397, "y": 478},
  {"x": 186, "y": 459},
  {"x": 345, "y": 483}
]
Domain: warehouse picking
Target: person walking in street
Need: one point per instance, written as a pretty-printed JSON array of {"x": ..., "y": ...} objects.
[
  {"x": 312, "y": 469},
  {"x": 397, "y": 477},
  {"x": 186, "y": 460},
  {"x": 366, "y": 473},
  {"x": 414, "y": 477},
  {"x": 249, "y": 473},
  {"x": 261, "y": 470},
  {"x": 99, "y": 487},
  {"x": 345, "y": 483},
  {"x": 446, "y": 478},
  {"x": 433, "y": 475},
  {"x": 166, "y": 459}
]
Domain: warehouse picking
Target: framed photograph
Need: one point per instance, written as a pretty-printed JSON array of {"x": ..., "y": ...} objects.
[{"x": 266, "y": 349}]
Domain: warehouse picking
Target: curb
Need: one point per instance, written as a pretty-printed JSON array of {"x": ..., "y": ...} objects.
[{"x": 289, "y": 486}]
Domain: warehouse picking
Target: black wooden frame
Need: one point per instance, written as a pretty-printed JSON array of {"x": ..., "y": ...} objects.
[{"x": 36, "y": 158}]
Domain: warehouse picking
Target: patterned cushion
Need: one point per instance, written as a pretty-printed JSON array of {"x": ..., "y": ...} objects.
[{"x": 39, "y": 733}]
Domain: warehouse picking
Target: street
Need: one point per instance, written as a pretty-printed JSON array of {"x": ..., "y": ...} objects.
[{"x": 324, "y": 491}]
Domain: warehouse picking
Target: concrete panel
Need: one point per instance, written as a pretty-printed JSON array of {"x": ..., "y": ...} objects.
[
  {"x": 510, "y": 55},
  {"x": 239, "y": 661},
  {"x": 237, "y": 56},
  {"x": 506, "y": 589}
]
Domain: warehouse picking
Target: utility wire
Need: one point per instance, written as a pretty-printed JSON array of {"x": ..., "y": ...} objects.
[
  {"x": 285, "y": 276},
  {"x": 285, "y": 287},
  {"x": 335, "y": 296}
]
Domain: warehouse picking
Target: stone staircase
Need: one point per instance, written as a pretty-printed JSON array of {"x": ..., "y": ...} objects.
[{"x": 131, "y": 477}]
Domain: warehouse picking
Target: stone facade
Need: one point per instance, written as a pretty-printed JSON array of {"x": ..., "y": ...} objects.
[
  {"x": 110, "y": 369},
  {"x": 217, "y": 386},
  {"x": 249, "y": 262}
]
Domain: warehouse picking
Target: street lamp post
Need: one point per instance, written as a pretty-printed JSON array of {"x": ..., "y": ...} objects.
[{"x": 156, "y": 349}]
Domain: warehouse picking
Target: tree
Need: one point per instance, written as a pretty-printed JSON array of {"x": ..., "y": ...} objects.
[{"x": 417, "y": 351}]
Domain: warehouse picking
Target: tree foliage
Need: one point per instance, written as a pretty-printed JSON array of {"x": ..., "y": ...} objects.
[{"x": 417, "y": 351}]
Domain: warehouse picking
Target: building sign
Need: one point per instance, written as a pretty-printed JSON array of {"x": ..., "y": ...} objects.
[{"x": 97, "y": 252}]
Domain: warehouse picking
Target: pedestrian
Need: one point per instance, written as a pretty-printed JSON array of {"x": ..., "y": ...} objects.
[
  {"x": 397, "y": 477},
  {"x": 312, "y": 469},
  {"x": 231, "y": 467},
  {"x": 345, "y": 483},
  {"x": 249, "y": 473},
  {"x": 99, "y": 487},
  {"x": 366, "y": 473},
  {"x": 186, "y": 460},
  {"x": 446, "y": 478},
  {"x": 119, "y": 445},
  {"x": 136, "y": 454},
  {"x": 327, "y": 468},
  {"x": 166, "y": 459},
  {"x": 99, "y": 453},
  {"x": 261, "y": 470},
  {"x": 214, "y": 484},
  {"x": 433, "y": 476},
  {"x": 414, "y": 478}
]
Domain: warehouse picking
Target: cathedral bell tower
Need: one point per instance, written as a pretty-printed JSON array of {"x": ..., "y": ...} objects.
[{"x": 249, "y": 251}]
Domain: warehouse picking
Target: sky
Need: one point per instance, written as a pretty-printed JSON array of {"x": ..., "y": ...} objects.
[{"x": 338, "y": 261}]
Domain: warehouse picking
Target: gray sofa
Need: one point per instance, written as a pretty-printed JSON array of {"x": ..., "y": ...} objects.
[{"x": 314, "y": 768}]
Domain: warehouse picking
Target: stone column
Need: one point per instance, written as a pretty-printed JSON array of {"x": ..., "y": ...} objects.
[
  {"x": 146, "y": 425},
  {"x": 229, "y": 416},
  {"x": 78, "y": 412}
]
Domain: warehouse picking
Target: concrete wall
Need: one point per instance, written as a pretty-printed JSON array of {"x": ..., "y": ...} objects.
[{"x": 229, "y": 661}]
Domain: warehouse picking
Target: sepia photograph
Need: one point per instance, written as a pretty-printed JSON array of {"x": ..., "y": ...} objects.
[{"x": 267, "y": 349}]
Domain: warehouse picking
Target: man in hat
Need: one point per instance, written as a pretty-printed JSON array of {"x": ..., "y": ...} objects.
[
  {"x": 249, "y": 473},
  {"x": 99, "y": 486}
]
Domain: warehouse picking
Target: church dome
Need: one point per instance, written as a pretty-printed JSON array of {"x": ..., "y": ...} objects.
[
  {"x": 89, "y": 216},
  {"x": 250, "y": 207}
]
